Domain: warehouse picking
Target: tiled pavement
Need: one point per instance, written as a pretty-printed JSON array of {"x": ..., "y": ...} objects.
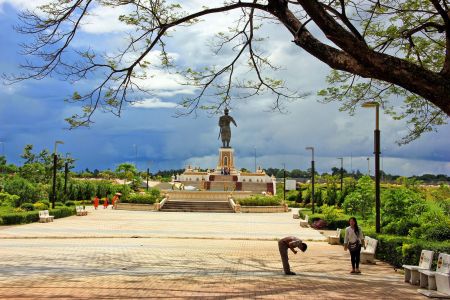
[
  {"x": 108, "y": 223},
  {"x": 211, "y": 265}
]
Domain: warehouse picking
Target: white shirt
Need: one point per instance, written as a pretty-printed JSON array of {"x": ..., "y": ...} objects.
[{"x": 350, "y": 235}]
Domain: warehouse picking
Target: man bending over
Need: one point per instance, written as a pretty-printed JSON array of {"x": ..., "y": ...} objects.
[{"x": 290, "y": 242}]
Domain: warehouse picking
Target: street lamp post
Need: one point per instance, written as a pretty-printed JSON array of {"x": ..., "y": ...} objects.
[
  {"x": 66, "y": 172},
  {"x": 342, "y": 172},
  {"x": 368, "y": 166},
  {"x": 312, "y": 177},
  {"x": 55, "y": 162},
  {"x": 284, "y": 182},
  {"x": 377, "y": 153}
]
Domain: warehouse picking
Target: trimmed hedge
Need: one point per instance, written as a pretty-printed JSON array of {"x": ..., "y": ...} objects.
[
  {"x": 340, "y": 222},
  {"x": 33, "y": 216},
  {"x": 260, "y": 201},
  {"x": 62, "y": 212},
  {"x": 20, "y": 218},
  {"x": 140, "y": 199},
  {"x": 398, "y": 250}
]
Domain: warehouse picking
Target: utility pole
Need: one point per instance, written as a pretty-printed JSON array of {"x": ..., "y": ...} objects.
[
  {"x": 312, "y": 176},
  {"x": 342, "y": 172},
  {"x": 284, "y": 182},
  {"x": 55, "y": 163}
]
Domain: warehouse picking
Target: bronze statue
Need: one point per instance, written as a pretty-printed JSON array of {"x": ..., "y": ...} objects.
[{"x": 225, "y": 130}]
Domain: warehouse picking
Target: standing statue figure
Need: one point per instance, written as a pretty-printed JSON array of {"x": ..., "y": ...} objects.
[{"x": 225, "y": 130}]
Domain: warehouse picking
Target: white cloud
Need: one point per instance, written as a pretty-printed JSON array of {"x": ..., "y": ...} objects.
[
  {"x": 154, "y": 103},
  {"x": 23, "y": 4},
  {"x": 164, "y": 84},
  {"x": 103, "y": 19}
]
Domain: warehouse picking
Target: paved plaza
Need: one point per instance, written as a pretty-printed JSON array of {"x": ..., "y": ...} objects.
[{"x": 146, "y": 255}]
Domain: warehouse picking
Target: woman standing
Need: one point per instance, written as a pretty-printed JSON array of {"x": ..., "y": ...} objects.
[{"x": 353, "y": 240}]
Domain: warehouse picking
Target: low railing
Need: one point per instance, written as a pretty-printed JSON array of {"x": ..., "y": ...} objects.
[{"x": 159, "y": 205}]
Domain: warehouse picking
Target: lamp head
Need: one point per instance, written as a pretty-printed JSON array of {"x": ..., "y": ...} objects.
[
  {"x": 309, "y": 148},
  {"x": 370, "y": 104}
]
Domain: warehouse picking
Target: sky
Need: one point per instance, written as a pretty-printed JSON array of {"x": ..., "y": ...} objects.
[{"x": 149, "y": 134}]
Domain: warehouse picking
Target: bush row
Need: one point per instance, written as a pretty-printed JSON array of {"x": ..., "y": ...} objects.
[
  {"x": 33, "y": 216},
  {"x": 260, "y": 201},
  {"x": 340, "y": 221},
  {"x": 151, "y": 197},
  {"x": 398, "y": 250},
  {"x": 86, "y": 189}
]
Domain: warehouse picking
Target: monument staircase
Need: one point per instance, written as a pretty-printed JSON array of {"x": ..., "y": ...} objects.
[
  {"x": 191, "y": 201},
  {"x": 223, "y": 183},
  {"x": 197, "y": 206}
]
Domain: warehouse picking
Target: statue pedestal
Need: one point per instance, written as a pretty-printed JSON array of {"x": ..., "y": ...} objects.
[{"x": 226, "y": 162}]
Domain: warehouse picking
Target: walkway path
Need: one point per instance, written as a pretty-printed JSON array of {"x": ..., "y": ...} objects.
[
  {"x": 109, "y": 223},
  {"x": 208, "y": 256}
]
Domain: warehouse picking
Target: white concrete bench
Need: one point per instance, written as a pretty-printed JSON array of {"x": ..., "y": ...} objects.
[
  {"x": 335, "y": 239},
  {"x": 368, "y": 254},
  {"x": 81, "y": 211},
  {"x": 412, "y": 272},
  {"x": 295, "y": 216},
  {"x": 45, "y": 217},
  {"x": 428, "y": 278},
  {"x": 443, "y": 283},
  {"x": 304, "y": 223}
]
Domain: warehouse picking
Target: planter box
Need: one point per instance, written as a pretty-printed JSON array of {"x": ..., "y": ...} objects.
[{"x": 263, "y": 209}]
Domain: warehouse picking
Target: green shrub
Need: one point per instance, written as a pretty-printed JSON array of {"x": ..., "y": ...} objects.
[
  {"x": 46, "y": 202},
  {"x": 62, "y": 212},
  {"x": 361, "y": 200},
  {"x": 330, "y": 214},
  {"x": 400, "y": 227},
  {"x": 13, "y": 218},
  {"x": 400, "y": 204},
  {"x": 411, "y": 250},
  {"x": 8, "y": 200},
  {"x": 32, "y": 217},
  {"x": 59, "y": 203},
  {"x": 292, "y": 195},
  {"x": 399, "y": 250},
  {"x": 23, "y": 188},
  {"x": 294, "y": 204},
  {"x": 27, "y": 206},
  {"x": 258, "y": 200},
  {"x": 40, "y": 206},
  {"x": 20, "y": 218},
  {"x": 69, "y": 203},
  {"x": 439, "y": 231},
  {"x": 340, "y": 222},
  {"x": 140, "y": 199}
]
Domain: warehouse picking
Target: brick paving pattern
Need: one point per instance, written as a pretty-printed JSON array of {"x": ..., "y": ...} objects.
[{"x": 180, "y": 256}]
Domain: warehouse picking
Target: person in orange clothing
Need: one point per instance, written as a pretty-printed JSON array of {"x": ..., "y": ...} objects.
[
  {"x": 115, "y": 200},
  {"x": 105, "y": 202},
  {"x": 96, "y": 200}
]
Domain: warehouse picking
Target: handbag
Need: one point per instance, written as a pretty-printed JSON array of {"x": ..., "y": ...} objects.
[{"x": 353, "y": 246}]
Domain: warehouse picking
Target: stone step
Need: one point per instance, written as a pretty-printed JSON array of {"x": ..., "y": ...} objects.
[
  {"x": 197, "y": 210},
  {"x": 197, "y": 206}
]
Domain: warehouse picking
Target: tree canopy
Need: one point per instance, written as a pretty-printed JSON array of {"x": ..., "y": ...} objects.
[{"x": 395, "y": 52}]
